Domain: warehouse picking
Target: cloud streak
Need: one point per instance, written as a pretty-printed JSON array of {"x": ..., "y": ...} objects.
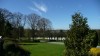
[{"x": 41, "y": 7}]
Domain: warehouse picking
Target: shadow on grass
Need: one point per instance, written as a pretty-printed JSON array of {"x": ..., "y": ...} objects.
[
  {"x": 28, "y": 44},
  {"x": 15, "y": 50}
]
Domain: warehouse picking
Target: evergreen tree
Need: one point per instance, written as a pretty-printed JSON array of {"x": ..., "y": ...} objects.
[
  {"x": 5, "y": 26},
  {"x": 8, "y": 29},
  {"x": 2, "y": 24},
  {"x": 79, "y": 37}
]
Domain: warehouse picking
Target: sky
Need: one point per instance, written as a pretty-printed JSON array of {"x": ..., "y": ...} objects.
[{"x": 59, "y": 12}]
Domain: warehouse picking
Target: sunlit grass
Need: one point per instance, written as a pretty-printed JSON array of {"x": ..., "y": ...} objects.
[{"x": 44, "y": 49}]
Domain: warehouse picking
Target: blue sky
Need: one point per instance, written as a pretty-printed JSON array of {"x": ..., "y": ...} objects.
[{"x": 57, "y": 11}]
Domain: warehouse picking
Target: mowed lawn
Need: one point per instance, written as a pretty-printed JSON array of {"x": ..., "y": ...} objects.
[{"x": 44, "y": 49}]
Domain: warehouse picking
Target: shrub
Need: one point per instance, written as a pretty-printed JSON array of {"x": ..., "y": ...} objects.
[
  {"x": 36, "y": 40},
  {"x": 94, "y": 52}
]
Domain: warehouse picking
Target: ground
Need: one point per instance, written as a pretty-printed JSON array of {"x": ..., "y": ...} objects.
[{"x": 44, "y": 49}]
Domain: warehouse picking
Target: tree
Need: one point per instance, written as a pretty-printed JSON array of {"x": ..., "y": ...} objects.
[
  {"x": 5, "y": 26},
  {"x": 79, "y": 37},
  {"x": 49, "y": 34},
  {"x": 32, "y": 21},
  {"x": 18, "y": 23},
  {"x": 98, "y": 31},
  {"x": 21, "y": 31},
  {"x": 8, "y": 29},
  {"x": 61, "y": 34},
  {"x": 2, "y": 24},
  {"x": 7, "y": 15},
  {"x": 43, "y": 26},
  {"x": 27, "y": 33}
]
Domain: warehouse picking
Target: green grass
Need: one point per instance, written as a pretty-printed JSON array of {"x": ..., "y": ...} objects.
[{"x": 44, "y": 49}]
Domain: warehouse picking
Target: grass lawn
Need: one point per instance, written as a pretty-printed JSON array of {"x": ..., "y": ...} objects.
[{"x": 44, "y": 49}]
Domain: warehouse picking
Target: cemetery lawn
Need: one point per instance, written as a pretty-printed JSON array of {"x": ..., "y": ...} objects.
[{"x": 44, "y": 49}]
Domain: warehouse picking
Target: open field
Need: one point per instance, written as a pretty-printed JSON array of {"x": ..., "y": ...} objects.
[{"x": 44, "y": 49}]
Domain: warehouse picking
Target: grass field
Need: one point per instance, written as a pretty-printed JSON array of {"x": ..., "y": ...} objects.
[{"x": 44, "y": 49}]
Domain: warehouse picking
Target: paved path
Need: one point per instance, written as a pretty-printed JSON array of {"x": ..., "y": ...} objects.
[{"x": 61, "y": 43}]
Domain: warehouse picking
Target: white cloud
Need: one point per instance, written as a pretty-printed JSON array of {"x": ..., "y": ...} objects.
[
  {"x": 39, "y": 8},
  {"x": 42, "y": 7}
]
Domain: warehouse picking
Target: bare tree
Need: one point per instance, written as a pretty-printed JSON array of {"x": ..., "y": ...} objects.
[
  {"x": 18, "y": 23},
  {"x": 32, "y": 21},
  {"x": 17, "y": 17},
  {"x": 44, "y": 25},
  {"x": 7, "y": 15}
]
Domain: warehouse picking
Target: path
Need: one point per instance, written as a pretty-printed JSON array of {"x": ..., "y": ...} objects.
[{"x": 61, "y": 43}]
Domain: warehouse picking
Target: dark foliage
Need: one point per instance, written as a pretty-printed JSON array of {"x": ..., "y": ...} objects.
[
  {"x": 80, "y": 38},
  {"x": 15, "y": 50}
]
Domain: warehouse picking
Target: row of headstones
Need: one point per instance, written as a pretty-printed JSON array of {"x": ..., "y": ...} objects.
[{"x": 51, "y": 38}]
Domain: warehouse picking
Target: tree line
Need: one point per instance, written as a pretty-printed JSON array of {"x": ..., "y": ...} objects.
[{"x": 18, "y": 25}]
